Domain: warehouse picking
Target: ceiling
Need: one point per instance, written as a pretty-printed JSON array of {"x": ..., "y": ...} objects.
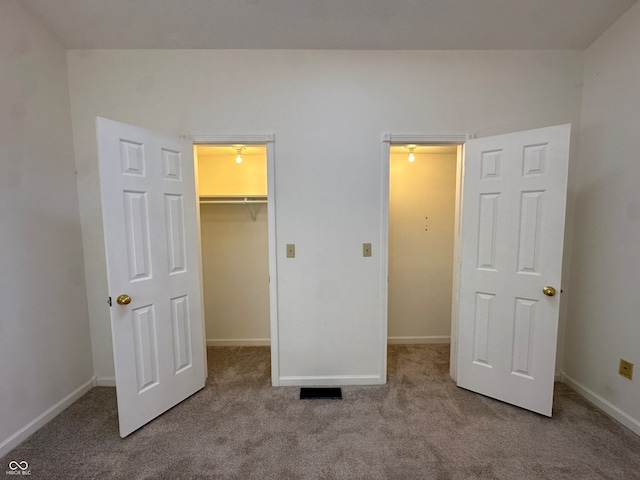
[
  {"x": 404, "y": 150},
  {"x": 230, "y": 150},
  {"x": 328, "y": 24}
]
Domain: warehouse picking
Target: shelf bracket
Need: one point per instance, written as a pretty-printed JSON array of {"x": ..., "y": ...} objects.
[{"x": 253, "y": 208}]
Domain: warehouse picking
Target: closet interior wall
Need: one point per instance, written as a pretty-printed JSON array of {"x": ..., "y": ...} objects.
[
  {"x": 235, "y": 251},
  {"x": 421, "y": 235}
]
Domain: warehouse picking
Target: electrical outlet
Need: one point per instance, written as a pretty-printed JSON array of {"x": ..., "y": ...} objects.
[
  {"x": 366, "y": 249},
  {"x": 626, "y": 369},
  {"x": 291, "y": 250}
]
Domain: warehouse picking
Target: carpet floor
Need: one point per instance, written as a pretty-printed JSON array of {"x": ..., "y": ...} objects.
[{"x": 417, "y": 426}]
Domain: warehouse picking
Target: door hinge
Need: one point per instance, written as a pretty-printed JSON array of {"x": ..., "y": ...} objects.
[{"x": 109, "y": 301}]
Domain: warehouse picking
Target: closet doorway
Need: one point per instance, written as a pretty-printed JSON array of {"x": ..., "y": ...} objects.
[
  {"x": 422, "y": 212},
  {"x": 234, "y": 222}
]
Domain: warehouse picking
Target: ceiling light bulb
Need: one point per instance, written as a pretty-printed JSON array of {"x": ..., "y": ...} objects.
[
  {"x": 411, "y": 148},
  {"x": 238, "y": 154}
]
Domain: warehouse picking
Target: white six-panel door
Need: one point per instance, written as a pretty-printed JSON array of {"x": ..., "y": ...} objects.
[
  {"x": 513, "y": 209},
  {"x": 153, "y": 257}
]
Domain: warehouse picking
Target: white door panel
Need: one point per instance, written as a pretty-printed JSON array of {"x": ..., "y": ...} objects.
[
  {"x": 150, "y": 227},
  {"x": 513, "y": 208}
]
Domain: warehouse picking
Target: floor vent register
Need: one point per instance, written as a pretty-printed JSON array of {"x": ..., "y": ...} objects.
[{"x": 312, "y": 393}]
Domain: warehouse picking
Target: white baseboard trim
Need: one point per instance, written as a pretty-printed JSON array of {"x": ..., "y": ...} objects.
[
  {"x": 238, "y": 342},
  {"x": 45, "y": 417},
  {"x": 418, "y": 340},
  {"x": 559, "y": 377},
  {"x": 105, "y": 381},
  {"x": 603, "y": 404},
  {"x": 332, "y": 380}
]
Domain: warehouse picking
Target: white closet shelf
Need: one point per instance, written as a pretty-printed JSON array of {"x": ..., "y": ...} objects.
[
  {"x": 253, "y": 202},
  {"x": 232, "y": 199}
]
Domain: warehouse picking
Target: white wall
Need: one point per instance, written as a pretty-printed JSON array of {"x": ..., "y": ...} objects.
[
  {"x": 422, "y": 198},
  {"x": 44, "y": 331},
  {"x": 603, "y": 315},
  {"x": 328, "y": 110}
]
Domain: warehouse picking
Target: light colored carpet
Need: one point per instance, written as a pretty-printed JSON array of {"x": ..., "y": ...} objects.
[{"x": 418, "y": 426}]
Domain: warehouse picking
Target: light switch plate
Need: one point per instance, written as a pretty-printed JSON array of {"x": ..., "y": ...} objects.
[
  {"x": 291, "y": 250},
  {"x": 626, "y": 369},
  {"x": 366, "y": 249}
]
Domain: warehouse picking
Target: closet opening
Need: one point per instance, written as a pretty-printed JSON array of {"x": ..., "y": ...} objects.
[
  {"x": 423, "y": 193},
  {"x": 234, "y": 223}
]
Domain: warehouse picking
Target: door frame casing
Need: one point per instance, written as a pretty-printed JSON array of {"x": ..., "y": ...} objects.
[
  {"x": 268, "y": 140},
  {"x": 389, "y": 139}
]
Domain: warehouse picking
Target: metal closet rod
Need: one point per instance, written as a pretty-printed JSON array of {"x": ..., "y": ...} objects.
[{"x": 233, "y": 200}]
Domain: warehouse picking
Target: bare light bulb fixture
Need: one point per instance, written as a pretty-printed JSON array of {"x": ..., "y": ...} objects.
[
  {"x": 239, "y": 153},
  {"x": 412, "y": 157}
]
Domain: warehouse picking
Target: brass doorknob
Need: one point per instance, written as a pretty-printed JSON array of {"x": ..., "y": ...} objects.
[
  {"x": 549, "y": 291},
  {"x": 123, "y": 299}
]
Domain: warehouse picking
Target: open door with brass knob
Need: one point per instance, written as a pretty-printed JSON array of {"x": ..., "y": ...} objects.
[
  {"x": 150, "y": 226},
  {"x": 512, "y": 230}
]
